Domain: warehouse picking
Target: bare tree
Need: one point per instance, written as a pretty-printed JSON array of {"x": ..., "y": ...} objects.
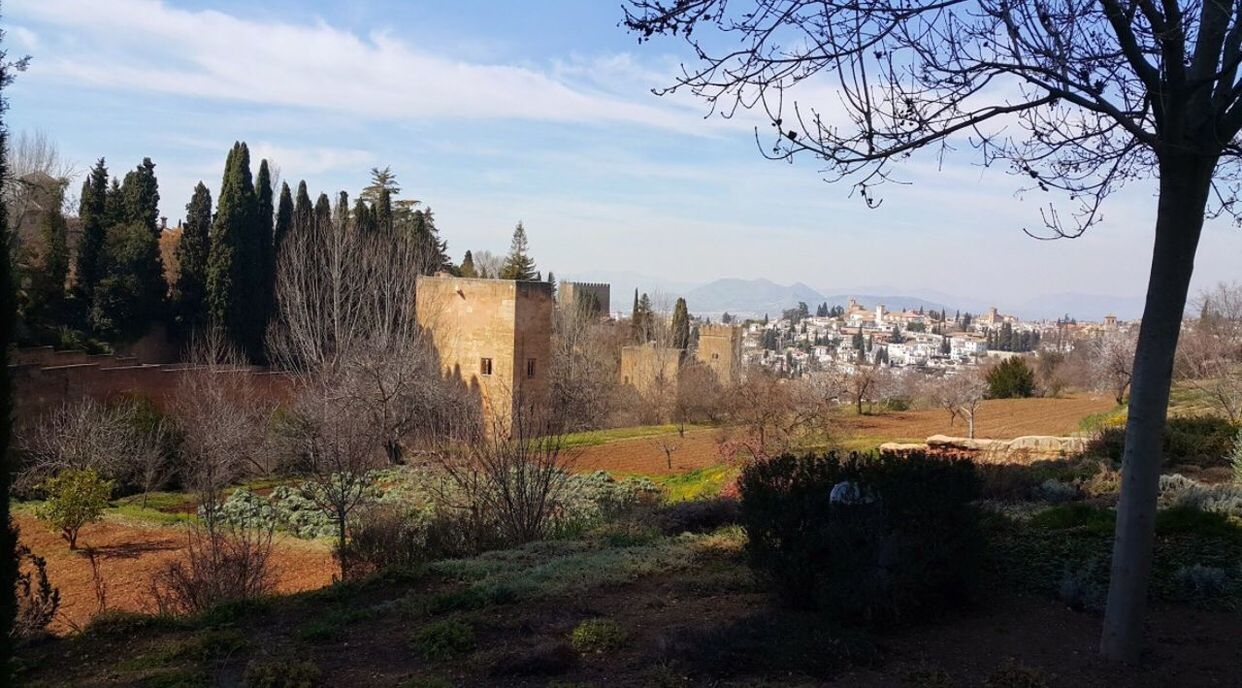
[
  {"x": 487, "y": 264},
  {"x": 1075, "y": 97},
  {"x": 583, "y": 370},
  {"x": 961, "y": 395},
  {"x": 1210, "y": 353},
  {"x": 87, "y": 434},
  {"x": 1111, "y": 361},
  {"x": 38, "y": 178}
]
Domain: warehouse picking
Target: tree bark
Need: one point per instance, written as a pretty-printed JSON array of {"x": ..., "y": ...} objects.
[{"x": 1184, "y": 186}]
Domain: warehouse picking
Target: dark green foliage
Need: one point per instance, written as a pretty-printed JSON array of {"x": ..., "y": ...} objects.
[
  {"x": 1198, "y": 440},
  {"x": 193, "y": 250},
  {"x": 467, "y": 266},
  {"x": 8, "y": 316},
  {"x": 681, "y": 325},
  {"x": 321, "y": 218},
  {"x": 363, "y": 218},
  {"x": 908, "y": 547},
  {"x": 265, "y": 239},
  {"x": 281, "y": 673},
  {"x": 91, "y": 213},
  {"x": 443, "y": 640},
  {"x": 303, "y": 212},
  {"x": 233, "y": 274},
  {"x": 383, "y": 211},
  {"x": 518, "y": 264},
  {"x": 45, "y": 294},
  {"x": 1011, "y": 378},
  {"x": 1076, "y": 516},
  {"x": 130, "y": 294},
  {"x": 140, "y": 197},
  {"x": 283, "y": 222}
]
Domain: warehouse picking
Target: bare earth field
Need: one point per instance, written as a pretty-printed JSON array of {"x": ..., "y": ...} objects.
[
  {"x": 128, "y": 555},
  {"x": 996, "y": 419}
]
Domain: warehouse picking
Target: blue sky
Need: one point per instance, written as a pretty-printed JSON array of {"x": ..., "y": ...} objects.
[{"x": 492, "y": 112}]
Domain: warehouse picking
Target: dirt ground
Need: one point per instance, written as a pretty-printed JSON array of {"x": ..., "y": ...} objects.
[
  {"x": 996, "y": 419},
  {"x": 128, "y": 555}
]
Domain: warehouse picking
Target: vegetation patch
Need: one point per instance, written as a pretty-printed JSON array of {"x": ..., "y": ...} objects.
[
  {"x": 443, "y": 640},
  {"x": 595, "y": 636}
]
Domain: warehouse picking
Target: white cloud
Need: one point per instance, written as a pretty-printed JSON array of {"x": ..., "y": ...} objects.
[
  {"x": 307, "y": 161},
  {"x": 146, "y": 45}
]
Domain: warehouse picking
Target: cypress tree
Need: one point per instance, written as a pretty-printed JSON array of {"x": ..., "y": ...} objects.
[
  {"x": 190, "y": 292},
  {"x": 140, "y": 198},
  {"x": 467, "y": 266},
  {"x": 92, "y": 214},
  {"x": 681, "y": 325},
  {"x": 265, "y": 238},
  {"x": 364, "y": 219},
  {"x": 303, "y": 212},
  {"x": 114, "y": 205},
  {"x": 636, "y": 324},
  {"x": 8, "y": 313},
  {"x": 284, "y": 222},
  {"x": 518, "y": 265},
  {"x": 341, "y": 214},
  {"x": 322, "y": 220},
  {"x": 383, "y": 211},
  {"x": 45, "y": 297},
  {"x": 232, "y": 274}
]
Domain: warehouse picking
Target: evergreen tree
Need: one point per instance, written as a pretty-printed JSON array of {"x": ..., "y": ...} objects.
[
  {"x": 467, "y": 266},
  {"x": 127, "y": 299},
  {"x": 518, "y": 265},
  {"x": 433, "y": 247},
  {"x": 190, "y": 292},
  {"x": 283, "y": 223},
  {"x": 552, "y": 281},
  {"x": 303, "y": 212},
  {"x": 681, "y": 325},
  {"x": 382, "y": 181},
  {"x": 140, "y": 198},
  {"x": 45, "y": 297},
  {"x": 265, "y": 231},
  {"x": 233, "y": 274},
  {"x": 92, "y": 209},
  {"x": 636, "y": 322},
  {"x": 322, "y": 220},
  {"x": 646, "y": 319},
  {"x": 383, "y": 211},
  {"x": 340, "y": 216},
  {"x": 363, "y": 218},
  {"x": 8, "y": 313},
  {"x": 1011, "y": 378}
]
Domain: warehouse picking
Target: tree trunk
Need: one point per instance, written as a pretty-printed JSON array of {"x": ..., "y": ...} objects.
[{"x": 1184, "y": 187}]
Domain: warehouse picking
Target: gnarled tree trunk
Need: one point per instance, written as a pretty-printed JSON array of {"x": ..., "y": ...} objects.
[{"x": 1185, "y": 182}]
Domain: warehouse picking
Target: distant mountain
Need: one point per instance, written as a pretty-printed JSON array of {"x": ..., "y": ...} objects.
[
  {"x": 1080, "y": 306},
  {"x": 749, "y": 297}
]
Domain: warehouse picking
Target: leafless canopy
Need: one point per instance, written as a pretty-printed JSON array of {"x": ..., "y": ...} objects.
[{"x": 1075, "y": 96}]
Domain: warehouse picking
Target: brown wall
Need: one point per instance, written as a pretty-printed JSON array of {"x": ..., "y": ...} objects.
[
  {"x": 648, "y": 367},
  {"x": 570, "y": 293},
  {"x": 720, "y": 349},
  {"x": 505, "y": 321}
]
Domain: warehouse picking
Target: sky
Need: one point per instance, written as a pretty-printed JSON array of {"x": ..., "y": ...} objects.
[{"x": 539, "y": 111}]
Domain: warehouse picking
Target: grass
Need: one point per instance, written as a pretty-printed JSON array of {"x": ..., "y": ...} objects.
[
  {"x": 591, "y": 438},
  {"x": 697, "y": 484}
]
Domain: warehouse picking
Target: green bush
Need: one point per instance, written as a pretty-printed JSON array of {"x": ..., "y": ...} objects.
[
  {"x": 907, "y": 545},
  {"x": 443, "y": 639},
  {"x": 1197, "y": 440},
  {"x": 597, "y": 635},
  {"x": 75, "y": 497},
  {"x": 1011, "y": 378}
]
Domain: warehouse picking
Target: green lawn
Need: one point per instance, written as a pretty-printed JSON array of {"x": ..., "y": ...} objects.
[{"x": 591, "y": 438}]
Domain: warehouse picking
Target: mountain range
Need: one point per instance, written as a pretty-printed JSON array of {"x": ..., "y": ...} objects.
[{"x": 757, "y": 297}]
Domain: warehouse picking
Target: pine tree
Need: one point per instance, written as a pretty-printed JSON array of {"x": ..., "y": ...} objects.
[
  {"x": 92, "y": 214},
  {"x": 232, "y": 275},
  {"x": 681, "y": 325},
  {"x": 283, "y": 223},
  {"x": 190, "y": 292},
  {"x": 467, "y": 266},
  {"x": 381, "y": 181},
  {"x": 518, "y": 265}
]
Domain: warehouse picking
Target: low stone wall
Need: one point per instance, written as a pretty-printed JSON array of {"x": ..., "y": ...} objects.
[{"x": 1020, "y": 450}]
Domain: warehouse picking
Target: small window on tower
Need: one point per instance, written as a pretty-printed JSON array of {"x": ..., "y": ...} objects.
[
  {"x": 530, "y": 367},
  {"x": 715, "y": 356},
  {"x": 485, "y": 366}
]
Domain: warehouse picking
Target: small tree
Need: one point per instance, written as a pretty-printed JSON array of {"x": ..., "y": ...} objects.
[
  {"x": 518, "y": 265},
  {"x": 1011, "y": 378},
  {"x": 75, "y": 497}
]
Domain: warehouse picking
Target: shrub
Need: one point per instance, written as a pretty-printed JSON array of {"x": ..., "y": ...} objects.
[
  {"x": 383, "y": 537},
  {"x": 443, "y": 639},
  {"x": 1056, "y": 491},
  {"x": 1199, "y": 581},
  {"x": 910, "y": 546},
  {"x": 223, "y": 564},
  {"x": 37, "y": 600},
  {"x": 1011, "y": 378},
  {"x": 697, "y": 516},
  {"x": 1081, "y": 589},
  {"x": 75, "y": 497},
  {"x": 597, "y": 635},
  {"x": 1196, "y": 440},
  {"x": 281, "y": 673}
]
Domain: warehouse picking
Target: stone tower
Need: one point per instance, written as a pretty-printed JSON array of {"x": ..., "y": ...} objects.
[
  {"x": 720, "y": 348},
  {"x": 585, "y": 294},
  {"x": 494, "y": 335}
]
